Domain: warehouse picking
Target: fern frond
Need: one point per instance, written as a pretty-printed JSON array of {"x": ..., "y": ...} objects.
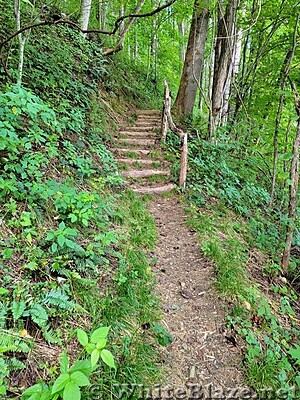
[
  {"x": 58, "y": 299},
  {"x": 10, "y": 341}
]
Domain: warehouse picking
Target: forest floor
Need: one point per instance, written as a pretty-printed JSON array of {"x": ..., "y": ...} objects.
[{"x": 200, "y": 355}]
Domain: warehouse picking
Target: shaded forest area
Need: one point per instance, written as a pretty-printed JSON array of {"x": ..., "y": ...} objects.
[{"x": 77, "y": 304}]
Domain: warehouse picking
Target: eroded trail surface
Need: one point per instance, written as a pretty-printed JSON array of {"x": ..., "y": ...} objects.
[{"x": 200, "y": 355}]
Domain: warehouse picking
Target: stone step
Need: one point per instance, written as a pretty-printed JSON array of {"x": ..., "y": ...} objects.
[
  {"x": 132, "y": 161},
  {"x": 134, "y": 142},
  {"x": 138, "y": 128},
  {"x": 144, "y": 173},
  {"x": 148, "y": 120},
  {"x": 138, "y": 134},
  {"x": 135, "y": 150},
  {"x": 153, "y": 189},
  {"x": 148, "y": 112}
]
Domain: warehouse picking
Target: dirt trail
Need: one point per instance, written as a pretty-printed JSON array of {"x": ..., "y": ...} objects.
[
  {"x": 200, "y": 355},
  {"x": 193, "y": 313}
]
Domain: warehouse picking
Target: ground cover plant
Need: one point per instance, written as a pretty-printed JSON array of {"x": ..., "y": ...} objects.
[{"x": 73, "y": 242}]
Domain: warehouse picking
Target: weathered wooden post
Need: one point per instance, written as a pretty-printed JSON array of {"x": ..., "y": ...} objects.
[{"x": 167, "y": 122}]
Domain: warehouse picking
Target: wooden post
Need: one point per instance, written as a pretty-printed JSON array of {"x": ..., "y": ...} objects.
[
  {"x": 184, "y": 161},
  {"x": 164, "y": 123},
  {"x": 167, "y": 122},
  {"x": 166, "y": 106}
]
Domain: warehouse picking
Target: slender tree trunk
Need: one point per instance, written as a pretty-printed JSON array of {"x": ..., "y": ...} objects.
[
  {"x": 283, "y": 81},
  {"x": 22, "y": 40},
  {"x": 181, "y": 31},
  {"x": 223, "y": 62},
  {"x": 193, "y": 64},
  {"x": 85, "y": 15},
  {"x": 294, "y": 177},
  {"x": 125, "y": 28},
  {"x": 103, "y": 14}
]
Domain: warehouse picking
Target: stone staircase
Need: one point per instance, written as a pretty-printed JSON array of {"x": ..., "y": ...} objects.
[{"x": 140, "y": 157}]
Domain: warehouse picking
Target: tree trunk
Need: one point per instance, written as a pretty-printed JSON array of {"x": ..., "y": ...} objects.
[
  {"x": 125, "y": 28},
  {"x": 283, "y": 81},
  {"x": 294, "y": 177},
  {"x": 223, "y": 62},
  {"x": 194, "y": 57},
  {"x": 85, "y": 15},
  {"x": 103, "y": 14},
  {"x": 181, "y": 31}
]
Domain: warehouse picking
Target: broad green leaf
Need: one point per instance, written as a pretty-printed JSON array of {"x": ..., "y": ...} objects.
[
  {"x": 61, "y": 240},
  {"x": 64, "y": 363},
  {"x": 295, "y": 353},
  {"x": 83, "y": 366},
  {"x": 90, "y": 347},
  {"x": 50, "y": 236},
  {"x": 108, "y": 358},
  {"x": 73, "y": 217},
  {"x": 2, "y": 389},
  {"x": 62, "y": 226},
  {"x": 100, "y": 333},
  {"x": 82, "y": 337},
  {"x": 25, "y": 219},
  {"x": 60, "y": 383},
  {"x": 94, "y": 357},
  {"x": 54, "y": 247},
  {"x": 71, "y": 391},
  {"x": 85, "y": 222},
  {"x": 34, "y": 389},
  {"x": 34, "y": 396},
  {"x": 3, "y": 291},
  {"x": 70, "y": 243},
  {"x": 79, "y": 378},
  {"x": 7, "y": 253},
  {"x": 101, "y": 344}
]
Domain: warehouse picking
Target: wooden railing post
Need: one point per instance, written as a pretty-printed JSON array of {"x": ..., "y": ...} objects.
[
  {"x": 164, "y": 122},
  {"x": 167, "y": 122},
  {"x": 183, "y": 161}
]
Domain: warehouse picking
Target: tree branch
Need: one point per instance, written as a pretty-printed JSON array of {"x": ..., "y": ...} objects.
[
  {"x": 71, "y": 23},
  {"x": 74, "y": 25}
]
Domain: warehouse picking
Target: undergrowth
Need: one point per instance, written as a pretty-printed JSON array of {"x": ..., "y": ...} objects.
[{"x": 74, "y": 243}]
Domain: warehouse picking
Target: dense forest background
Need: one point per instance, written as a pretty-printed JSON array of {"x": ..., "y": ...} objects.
[{"x": 69, "y": 73}]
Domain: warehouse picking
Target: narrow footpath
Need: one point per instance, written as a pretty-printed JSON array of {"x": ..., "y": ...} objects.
[
  {"x": 192, "y": 311},
  {"x": 200, "y": 356}
]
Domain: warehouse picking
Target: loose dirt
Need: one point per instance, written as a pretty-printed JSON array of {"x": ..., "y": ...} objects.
[{"x": 192, "y": 311}]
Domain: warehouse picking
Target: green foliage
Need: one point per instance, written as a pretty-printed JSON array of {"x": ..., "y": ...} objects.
[
  {"x": 96, "y": 346},
  {"x": 64, "y": 227},
  {"x": 72, "y": 378}
]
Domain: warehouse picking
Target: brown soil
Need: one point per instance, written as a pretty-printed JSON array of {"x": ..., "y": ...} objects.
[{"x": 192, "y": 311}]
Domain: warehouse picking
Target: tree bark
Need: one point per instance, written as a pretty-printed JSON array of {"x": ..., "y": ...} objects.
[
  {"x": 22, "y": 40},
  {"x": 294, "y": 177},
  {"x": 223, "y": 62},
  {"x": 284, "y": 73},
  {"x": 181, "y": 31},
  {"x": 85, "y": 15},
  {"x": 193, "y": 64}
]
